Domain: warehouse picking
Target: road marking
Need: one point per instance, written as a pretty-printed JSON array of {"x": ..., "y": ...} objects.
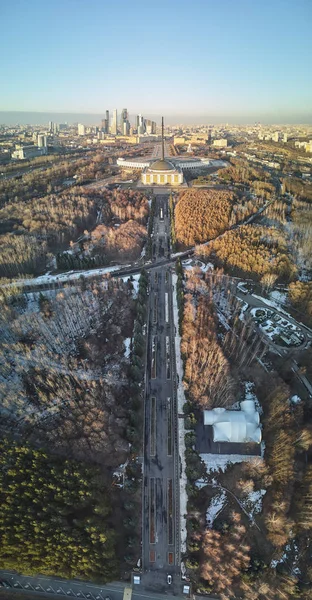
[
  {"x": 167, "y": 351},
  {"x": 153, "y": 369},
  {"x": 170, "y": 511},
  {"x": 153, "y": 426},
  {"x": 152, "y": 510}
]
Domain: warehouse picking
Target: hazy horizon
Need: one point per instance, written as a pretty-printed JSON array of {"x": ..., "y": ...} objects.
[{"x": 12, "y": 118}]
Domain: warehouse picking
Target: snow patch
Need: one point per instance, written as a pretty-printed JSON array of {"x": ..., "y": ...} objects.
[
  {"x": 273, "y": 304},
  {"x": 250, "y": 395},
  {"x": 215, "y": 507},
  {"x": 69, "y": 276},
  {"x": 127, "y": 343},
  {"x": 253, "y": 502},
  {"x": 295, "y": 399},
  {"x": 279, "y": 297},
  {"x": 216, "y": 462}
]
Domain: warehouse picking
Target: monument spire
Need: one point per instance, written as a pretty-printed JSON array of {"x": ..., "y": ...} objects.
[{"x": 162, "y": 140}]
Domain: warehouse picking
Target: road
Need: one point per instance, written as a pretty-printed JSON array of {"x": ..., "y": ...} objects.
[
  {"x": 157, "y": 150},
  {"x": 54, "y": 586},
  {"x": 160, "y": 507}
]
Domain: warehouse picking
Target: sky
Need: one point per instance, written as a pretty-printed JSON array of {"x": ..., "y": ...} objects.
[{"x": 229, "y": 60}]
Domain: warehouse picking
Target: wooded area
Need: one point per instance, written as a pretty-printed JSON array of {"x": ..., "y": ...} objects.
[
  {"x": 201, "y": 215},
  {"x": 253, "y": 251},
  {"x": 267, "y": 555},
  {"x": 34, "y": 230},
  {"x": 55, "y": 515}
]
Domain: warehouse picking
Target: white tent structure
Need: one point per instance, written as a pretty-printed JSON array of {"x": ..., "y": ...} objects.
[{"x": 238, "y": 426}]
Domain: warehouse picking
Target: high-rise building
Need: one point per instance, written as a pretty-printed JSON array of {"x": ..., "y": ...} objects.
[
  {"x": 114, "y": 122},
  {"x": 81, "y": 129},
  {"x": 140, "y": 124},
  {"x": 42, "y": 141},
  {"x": 105, "y": 123},
  {"x": 148, "y": 125},
  {"x": 50, "y": 126},
  {"x": 285, "y": 138},
  {"x": 126, "y": 127},
  {"x": 123, "y": 117},
  {"x": 55, "y": 128},
  {"x": 275, "y": 136}
]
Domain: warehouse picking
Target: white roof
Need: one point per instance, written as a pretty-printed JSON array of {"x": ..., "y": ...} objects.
[{"x": 235, "y": 426}]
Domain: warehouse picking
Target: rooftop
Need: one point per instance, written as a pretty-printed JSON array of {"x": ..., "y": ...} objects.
[{"x": 162, "y": 165}]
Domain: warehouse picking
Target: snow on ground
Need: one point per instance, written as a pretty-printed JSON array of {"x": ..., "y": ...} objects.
[
  {"x": 190, "y": 263},
  {"x": 216, "y": 505},
  {"x": 214, "y": 462},
  {"x": 279, "y": 297},
  {"x": 127, "y": 343},
  {"x": 244, "y": 306},
  {"x": 69, "y": 276},
  {"x": 253, "y": 502},
  {"x": 223, "y": 320},
  {"x": 135, "y": 282},
  {"x": 207, "y": 266},
  {"x": 181, "y": 430},
  {"x": 291, "y": 553},
  {"x": 295, "y": 399},
  {"x": 273, "y": 304},
  {"x": 250, "y": 395}
]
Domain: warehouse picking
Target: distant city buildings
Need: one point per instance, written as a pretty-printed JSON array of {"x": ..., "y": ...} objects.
[
  {"x": 81, "y": 129},
  {"x": 140, "y": 124},
  {"x": 126, "y": 127},
  {"x": 42, "y": 141},
  {"x": 114, "y": 129},
  {"x": 222, "y": 143},
  {"x": 27, "y": 152}
]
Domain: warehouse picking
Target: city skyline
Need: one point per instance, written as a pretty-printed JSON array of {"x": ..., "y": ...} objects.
[{"x": 236, "y": 63}]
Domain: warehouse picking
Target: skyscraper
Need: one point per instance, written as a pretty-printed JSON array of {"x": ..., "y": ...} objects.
[
  {"x": 114, "y": 122},
  {"x": 140, "y": 124},
  {"x": 124, "y": 117},
  {"x": 126, "y": 127},
  {"x": 81, "y": 129}
]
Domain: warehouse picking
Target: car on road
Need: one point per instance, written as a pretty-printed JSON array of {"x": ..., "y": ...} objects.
[{"x": 169, "y": 579}]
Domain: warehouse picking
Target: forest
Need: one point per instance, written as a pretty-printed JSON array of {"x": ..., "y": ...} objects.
[
  {"x": 201, "y": 215},
  {"x": 34, "y": 230},
  {"x": 72, "y": 399},
  {"x": 253, "y": 251},
  {"x": 208, "y": 358},
  {"x": 263, "y": 554},
  {"x": 55, "y": 515}
]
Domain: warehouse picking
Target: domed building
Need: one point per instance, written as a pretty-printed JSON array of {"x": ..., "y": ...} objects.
[{"x": 162, "y": 172}]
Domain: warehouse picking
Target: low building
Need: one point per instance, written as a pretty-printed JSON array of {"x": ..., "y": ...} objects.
[
  {"x": 236, "y": 426},
  {"x": 222, "y": 143},
  {"x": 27, "y": 152}
]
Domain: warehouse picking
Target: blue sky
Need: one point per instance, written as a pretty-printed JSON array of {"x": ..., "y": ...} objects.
[{"x": 229, "y": 58}]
